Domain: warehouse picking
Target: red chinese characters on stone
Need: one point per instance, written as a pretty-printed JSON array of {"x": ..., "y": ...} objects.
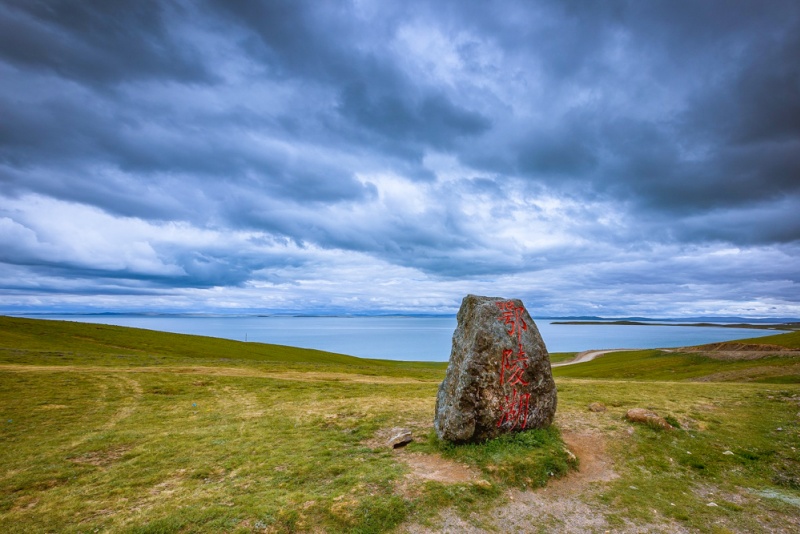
[
  {"x": 513, "y": 315},
  {"x": 515, "y": 410},
  {"x": 513, "y": 367}
]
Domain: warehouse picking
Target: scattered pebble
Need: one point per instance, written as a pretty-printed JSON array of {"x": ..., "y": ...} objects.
[
  {"x": 688, "y": 452},
  {"x": 633, "y": 487},
  {"x": 712, "y": 504},
  {"x": 728, "y": 453},
  {"x": 672, "y": 504},
  {"x": 779, "y": 429}
]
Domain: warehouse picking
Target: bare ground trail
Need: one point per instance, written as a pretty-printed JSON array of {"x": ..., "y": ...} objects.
[
  {"x": 587, "y": 356},
  {"x": 562, "y": 506}
]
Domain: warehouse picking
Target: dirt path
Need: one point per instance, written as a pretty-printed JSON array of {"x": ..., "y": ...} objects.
[
  {"x": 587, "y": 356},
  {"x": 299, "y": 376},
  {"x": 560, "y": 507}
]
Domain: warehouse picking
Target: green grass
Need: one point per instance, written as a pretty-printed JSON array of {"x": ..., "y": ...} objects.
[
  {"x": 40, "y": 342},
  {"x": 673, "y": 475},
  {"x": 117, "y": 429},
  {"x": 667, "y": 365},
  {"x": 525, "y": 460},
  {"x": 113, "y": 429},
  {"x": 790, "y": 340},
  {"x": 660, "y": 365},
  {"x": 558, "y": 357}
]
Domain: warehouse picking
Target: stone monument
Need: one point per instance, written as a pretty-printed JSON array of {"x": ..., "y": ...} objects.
[{"x": 498, "y": 379}]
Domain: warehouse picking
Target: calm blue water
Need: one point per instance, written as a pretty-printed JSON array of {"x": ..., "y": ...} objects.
[{"x": 412, "y": 338}]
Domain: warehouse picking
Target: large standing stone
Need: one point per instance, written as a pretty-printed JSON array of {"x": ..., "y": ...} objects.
[{"x": 498, "y": 379}]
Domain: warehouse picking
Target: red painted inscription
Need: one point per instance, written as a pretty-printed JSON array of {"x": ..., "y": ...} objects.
[
  {"x": 513, "y": 315},
  {"x": 513, "y": 367},
  {"x": 515, "y": 410}
]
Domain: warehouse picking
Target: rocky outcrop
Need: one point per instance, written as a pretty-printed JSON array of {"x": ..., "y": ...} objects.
[{"x": 498, "y": 379}]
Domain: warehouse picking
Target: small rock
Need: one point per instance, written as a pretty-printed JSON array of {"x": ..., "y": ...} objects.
[
  {"x": 728, "y": 453},
  {"x": 712, "y": 504},
  {"x": 400, "y": 438},
  {"x": 779, "y": 429},
  {"x": 650, "y": 418},
  {"x": 597, "y": 407}
]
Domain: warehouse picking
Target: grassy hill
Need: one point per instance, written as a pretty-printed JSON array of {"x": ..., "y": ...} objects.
[
  {"x": 771, "y": 359},
  {"x": 111, "y": 429}
]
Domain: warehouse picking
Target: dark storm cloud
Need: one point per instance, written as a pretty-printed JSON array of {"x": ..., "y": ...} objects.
[
  {"x": 713, "y": 118},
  {"x": 99, "y": 42},
  {"x": 456, "y": 140}
]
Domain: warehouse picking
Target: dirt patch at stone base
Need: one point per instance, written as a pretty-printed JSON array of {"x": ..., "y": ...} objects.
[
  {"x": 434, "y": 467},
  {"x": 595, "y": 464},
  {"x": 559, "y": 507}
]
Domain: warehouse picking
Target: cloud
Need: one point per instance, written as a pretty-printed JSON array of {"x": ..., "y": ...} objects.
[
  {"x": 99, "y": 42},
  {"x": 236, "y": 155}
]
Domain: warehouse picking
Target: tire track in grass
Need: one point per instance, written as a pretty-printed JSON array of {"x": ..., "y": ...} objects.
[
  {"x": 125, "y": 384},
  {"x": 298, "y": 376}
]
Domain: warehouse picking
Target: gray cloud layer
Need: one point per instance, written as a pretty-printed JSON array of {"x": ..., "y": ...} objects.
[{"x": 610, "y": 157}]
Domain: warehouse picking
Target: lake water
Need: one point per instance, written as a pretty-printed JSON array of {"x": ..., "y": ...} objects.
[{"x": 412, "y": 338}]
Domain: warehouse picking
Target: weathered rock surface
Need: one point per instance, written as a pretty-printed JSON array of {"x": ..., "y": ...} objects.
[
  {"x": 400, "y": 437},
  {"x": 498, "y": 379},
  {"x": 641, "y": 415}
]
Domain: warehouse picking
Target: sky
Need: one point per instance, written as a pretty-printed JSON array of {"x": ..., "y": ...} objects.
[{"x": 615, "y": 158}]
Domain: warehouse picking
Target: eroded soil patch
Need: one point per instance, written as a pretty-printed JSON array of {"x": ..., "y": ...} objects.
[
  {"x": 434, "y": 467},
  {"x": 102, "y": 458},
  {"x": 559, "y": 507}
]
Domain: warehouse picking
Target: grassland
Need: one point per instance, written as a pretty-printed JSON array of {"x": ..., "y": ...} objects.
[
  {"x": 770, "y": 359},
  {"x": 109, "y": 429}
]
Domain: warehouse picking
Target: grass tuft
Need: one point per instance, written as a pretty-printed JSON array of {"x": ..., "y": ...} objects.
[{"x": 523, "y": 460}]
